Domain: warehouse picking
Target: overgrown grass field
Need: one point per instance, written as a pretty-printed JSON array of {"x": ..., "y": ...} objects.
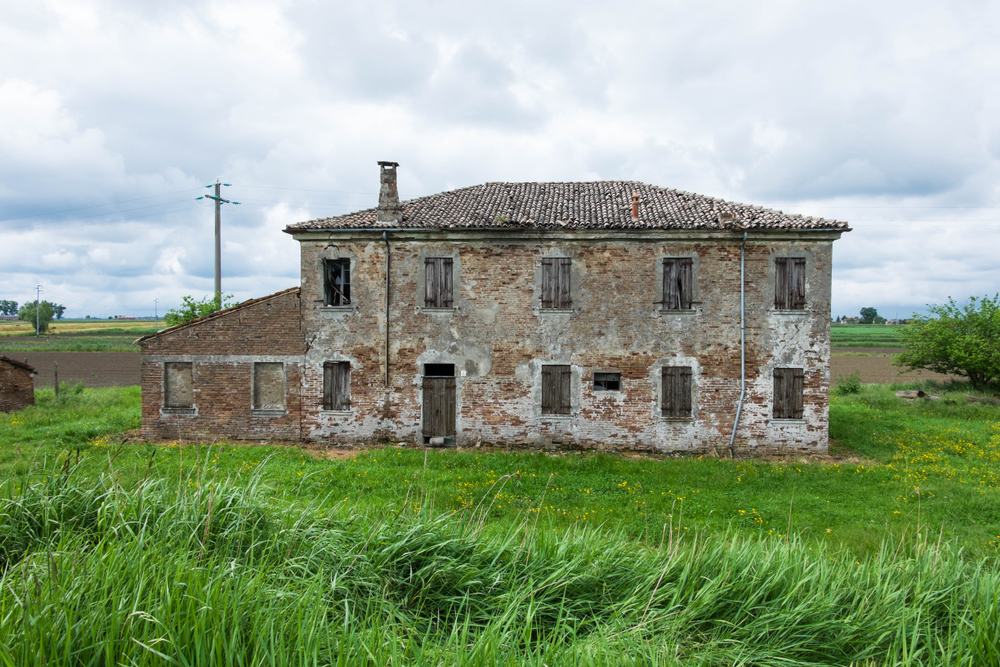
[{"x": 120, "y": 553}]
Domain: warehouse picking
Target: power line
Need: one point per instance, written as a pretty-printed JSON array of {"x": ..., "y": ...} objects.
[
  {"x": 96, "y": 215},
  {"x": 58, "y": 223},
  {"x": 269, "y": 187},
  {"x": 83, "y": 208}
]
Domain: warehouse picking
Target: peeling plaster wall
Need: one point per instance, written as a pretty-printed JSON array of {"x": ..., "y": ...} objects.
[{"x": 498, "y": 337}]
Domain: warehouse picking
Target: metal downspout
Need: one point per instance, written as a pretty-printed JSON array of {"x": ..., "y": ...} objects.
[
  {"x": 743, "y": 342},
  {"x": 385, "y": 238}
]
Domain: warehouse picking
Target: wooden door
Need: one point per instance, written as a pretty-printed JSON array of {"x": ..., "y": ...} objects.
[{"x": 439, "y": 407}]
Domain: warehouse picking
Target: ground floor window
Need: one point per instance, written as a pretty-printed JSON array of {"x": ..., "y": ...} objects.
[
  {"x": 269, "y": 386},
  {"x": 788, "y": 386},
  {"x": 676, "y": 393},
  {"x": 556, "y": 390},
  {"x": 178, "y": 384},
  {"x": 336, "y": 385}
]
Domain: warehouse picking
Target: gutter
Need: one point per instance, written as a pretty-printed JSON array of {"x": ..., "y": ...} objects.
[
  {"x": 743, "y": 342},
  {"x": 385, "y": 238}
]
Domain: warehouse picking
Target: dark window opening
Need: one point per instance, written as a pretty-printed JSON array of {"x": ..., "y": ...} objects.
[
  {"x": 788, "y": 389},
  {"x": 676, "y": 399},
  {"x": 336, "y": 385},
  {"x": 439, "y": 370},
  {"x": 678, "y": 276},
  {"x": 555, "y": 282},
  {"x": 789, "y": 283},
  {"x": 438, "y": 282},
  {"x": 337, "y": 282},
  {"x": 607, "y": 381},
  {"x": 556, "y": 390},
  {"x": 178, "y": 390}
]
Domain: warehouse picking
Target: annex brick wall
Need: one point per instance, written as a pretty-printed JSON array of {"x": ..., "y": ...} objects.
[
  {"x": 223, "y": 349},
  {"x": 17, "y": 386},
  {"x": 500, "y": 338}
]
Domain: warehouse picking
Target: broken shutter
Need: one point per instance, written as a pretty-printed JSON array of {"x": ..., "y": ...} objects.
[
  {"x": 788, "y": 391},
  {"x": 789, "y": 283},
  {"x": 556, "y": 282},
  {"x": 336, "y": 385},
  {"x": 678, "y": 276},
  {"x": 676, "y": 398},
  {"x": 337, "y": 282},
  {"x": 556, "y": 382},
  {"x": 438, "y": 282},
  {"x": 178, "y": 390}
]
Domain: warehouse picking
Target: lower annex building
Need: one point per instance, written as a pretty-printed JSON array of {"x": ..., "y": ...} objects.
[{"x": 608, "y": 315}]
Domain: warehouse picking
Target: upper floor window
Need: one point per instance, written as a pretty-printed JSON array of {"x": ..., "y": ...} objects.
[
  {"x": 789, "y": 283},
  {"x": 678, "y": 276},
  {"x": 337, "y": 282},
  {"x": 676, "y": 394},
  {"x": 788, "y": 387},
  {"x": 438, "y": 282},
  {"x": 555, "y": 282}
]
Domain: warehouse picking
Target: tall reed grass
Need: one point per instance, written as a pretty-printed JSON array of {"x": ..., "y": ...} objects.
[{"x": 191, "y": 570}]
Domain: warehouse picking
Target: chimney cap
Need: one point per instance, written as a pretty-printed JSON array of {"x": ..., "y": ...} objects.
[{"x": 385, "y": 163}]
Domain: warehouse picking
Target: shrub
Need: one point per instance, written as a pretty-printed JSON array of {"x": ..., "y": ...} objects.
[
  {"x": 849, "y": 385},
  {"x": 192, "y": 310}
]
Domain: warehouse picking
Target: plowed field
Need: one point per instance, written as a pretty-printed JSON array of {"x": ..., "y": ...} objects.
[{"x": 94, "y": 369}]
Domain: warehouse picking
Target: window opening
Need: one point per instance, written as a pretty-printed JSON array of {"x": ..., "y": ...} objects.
[
  {"x": 438, "y": 281},
  {"x": 607, "y": 381},
  {"x": 336, "y": 385},
  {"x": 678, "y": 274},
  {"x": 676, "y": 392},
  {"x": 789, "y": 283},
  {"x": 337, "y": 282},
  {"x": 268, "y": 386},
  {"x": 555, "y": 282},
  {"x": 439, "y": 370},
  {"x": 556, "y": 390},
  {"x": 788, "y": 389}
]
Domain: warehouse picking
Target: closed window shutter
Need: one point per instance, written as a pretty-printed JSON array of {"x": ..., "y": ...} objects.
[
  {"x": 781, "y": 285},
  {"x": 564, "y": 296},
  {"x": 564, "y": 387},
  {"x": 549, "y": 282},
  {"x": 780, "y": 394},
  {"x": 676, "y": 398},
  {"x": 336, "y": 385},
  {"x": 684, "y": 392},
  {"x": 797, "y": 385},
  {"x": 686, "y": 278},
  {"x": 789, "y": 384},
  {"x": 798, "y": 283},
  {"x": 329, "y": 382},
  {"x": 556, "y": 282},
  {"x": 671, "y": 293},
  {"x": 550, "y": 396},
  {"x": 446, "y": 269}
]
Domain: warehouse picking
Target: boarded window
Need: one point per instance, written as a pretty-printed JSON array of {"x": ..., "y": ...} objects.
[
  {"x": 178, "y": 385},
  {"x": 788, "y": 385},
  {"x": 337, "y": 282},
  {"x": 268, "y": 386},
  {"x": 678, "y": 275},
  {"x": 555, "y": 282},
  {"x": 676, "y": 395},
  {"x": 789, "y": 283},
  {"x": 607, "y": 381},
  {"x": 555, "y": 390},
  {"x": 336, "y": 385},
  {"x": 438, "y": 285}
]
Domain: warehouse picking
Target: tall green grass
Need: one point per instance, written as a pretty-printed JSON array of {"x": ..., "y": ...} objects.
[{"x": 200, "y": 571}]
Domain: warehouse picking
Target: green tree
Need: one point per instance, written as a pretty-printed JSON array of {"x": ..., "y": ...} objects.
[
  {"x": 58, "y": 309},
  {"x": 868, "y": 315},
  {"x": 960, "y": 340},
  {"x": 45, "y": 313},
  {"x": 8, "y": 307},
  {"x": 192, "y": 310}
]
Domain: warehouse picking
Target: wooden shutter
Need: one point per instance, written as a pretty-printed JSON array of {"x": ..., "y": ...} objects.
[
  {"x": 336, "y": 385},
  {"x": 445, "y": 271},
  {"x": 686, "y": 278},
  {"x": 550, "y": 397},
  {"x": 797, "y": 387},
  {"x": 781, "y": 300},
  {"x": 676, "y": 394},
  {"x": 797, "y": 284},
  {"x": 329, "y": 383},
  {"x": 431, "y": 282},
  {"x": 549, "y": 282},
  {"x": 564, "y": 296},
  {"x": 556, "y": 282},
  {"x": 788, "y": 390},
  {"x": 565, "y": 377},
  {"x": 780, "y": 395},
  {"x": 671, "y": 297},
  {"x": 677, "y": 283}
]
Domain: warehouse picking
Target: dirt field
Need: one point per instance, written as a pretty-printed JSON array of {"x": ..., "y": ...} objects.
[
  {"x": 94, "y": 369},
  {"x": 875, "y": 366},
  {"x": 110, "y": 369}
]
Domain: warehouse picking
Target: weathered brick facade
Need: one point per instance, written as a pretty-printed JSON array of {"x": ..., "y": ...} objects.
[
  {"x": 17, "y": 385},
  {"x": 496, "y": 337}
]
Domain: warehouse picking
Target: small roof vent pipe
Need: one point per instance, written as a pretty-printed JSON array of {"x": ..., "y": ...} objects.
[
  {"x": 635, "y": 205},
  {"x": 390, "y": 211}
]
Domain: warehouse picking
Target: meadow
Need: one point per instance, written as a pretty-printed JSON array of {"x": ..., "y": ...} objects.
[
  {"x": 123, "y": 552},
  {"x": 75, "y": 336},
  {"x": 865, "y": 335}
]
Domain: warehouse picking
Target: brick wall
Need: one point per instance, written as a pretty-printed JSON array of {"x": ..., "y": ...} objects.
[
  {"x": 17, "y": 387},
  {"x": 222, "y": 350}
]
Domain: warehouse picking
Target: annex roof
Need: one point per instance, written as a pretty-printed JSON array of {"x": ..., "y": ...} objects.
[
  {"x": 19, "y": 364},
  {"x": 589, "y": 205}
]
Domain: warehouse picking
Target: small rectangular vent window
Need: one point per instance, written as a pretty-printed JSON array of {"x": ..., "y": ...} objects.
[
  {"x": 439, "y": 370},
  {"x": 607, "y": 381}
]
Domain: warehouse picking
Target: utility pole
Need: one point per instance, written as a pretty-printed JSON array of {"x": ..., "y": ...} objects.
[
  {"x": 219, "y": 201},
  {"x": 38, "y": 310}
]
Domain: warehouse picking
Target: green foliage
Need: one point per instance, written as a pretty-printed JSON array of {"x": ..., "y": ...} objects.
[
  {"x": 192, "y": 310},
  {"x": 58, "y": 309},
  {"x": 957, "y": 340},
  {"x": 8, "y": 307},
  {"x": 849, "y": 385},
  {"x": 868, "y": 315},
  {"x": 45, "y": 313}
]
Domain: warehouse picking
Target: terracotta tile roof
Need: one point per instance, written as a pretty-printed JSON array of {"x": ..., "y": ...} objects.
[
  {"x": 593, "y": 205},
  {"x": 17, "y": 363}
]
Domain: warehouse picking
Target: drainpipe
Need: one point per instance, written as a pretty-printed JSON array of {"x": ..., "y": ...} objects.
[
  {"x": 385, "y": 238},
  {"x": 743, "y": 342}
]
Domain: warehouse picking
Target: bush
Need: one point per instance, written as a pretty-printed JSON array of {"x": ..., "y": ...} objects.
[
  {"x": 957, "y": 340},
  {"x": 849, "y": 385},
  {"x": 192, "y": 310}
]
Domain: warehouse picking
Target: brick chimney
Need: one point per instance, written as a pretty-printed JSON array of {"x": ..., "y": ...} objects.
[
  {"x": 635, "y": 205},
  {"x": 389, "y": 209}
]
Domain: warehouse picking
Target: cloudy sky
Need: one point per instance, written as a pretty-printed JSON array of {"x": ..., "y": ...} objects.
[{"x": 115, "y": 114}]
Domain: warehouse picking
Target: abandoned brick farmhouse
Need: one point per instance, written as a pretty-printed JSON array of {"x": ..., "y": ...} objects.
[{"x": 606, "y": 315}]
